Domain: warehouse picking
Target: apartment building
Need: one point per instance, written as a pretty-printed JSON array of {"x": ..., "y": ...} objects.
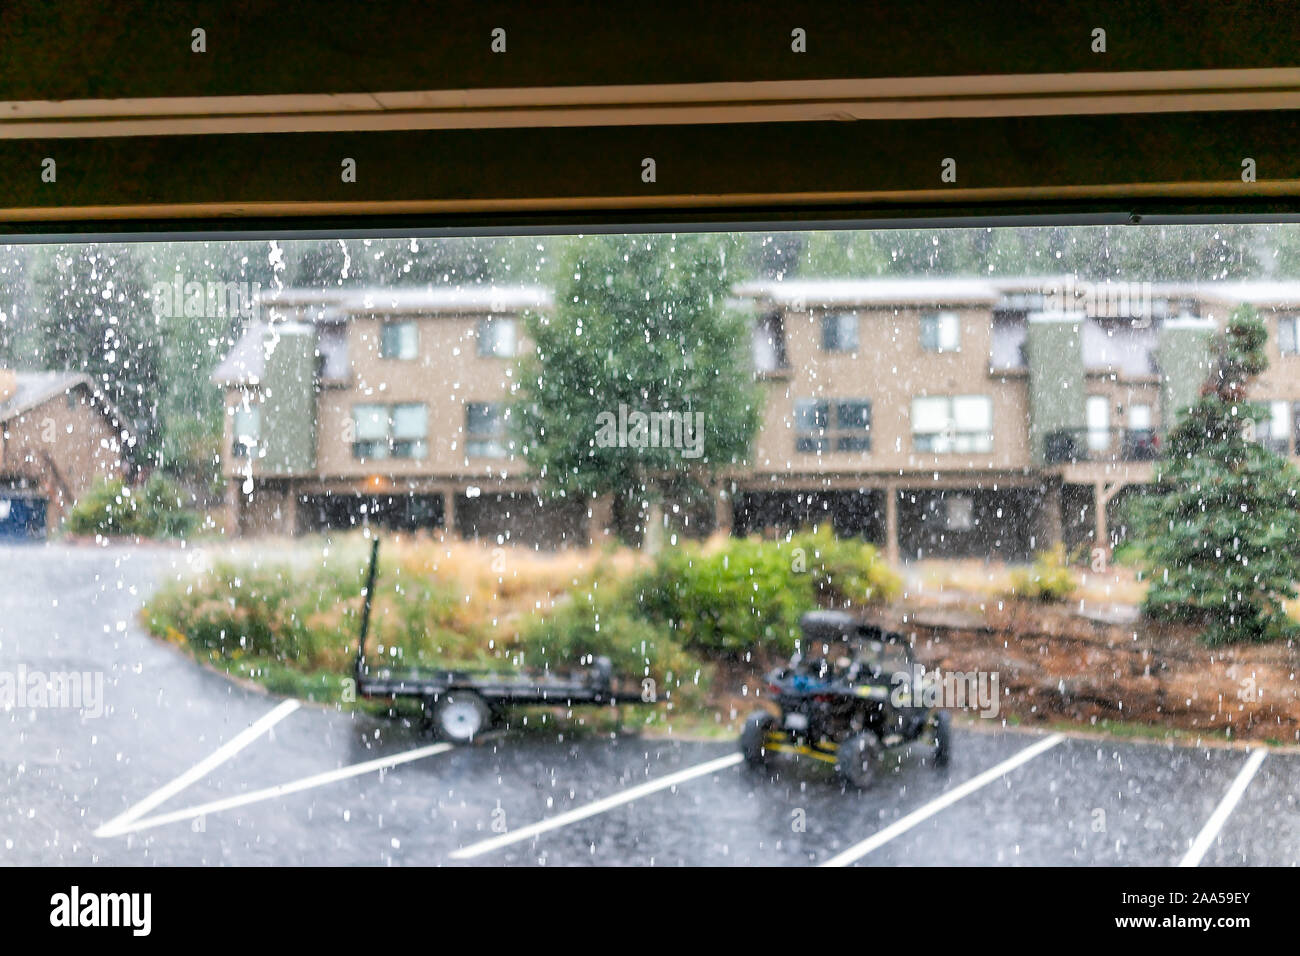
[
  {"x": 936, "y": 416},
  {"x": 382, "y": 406}
]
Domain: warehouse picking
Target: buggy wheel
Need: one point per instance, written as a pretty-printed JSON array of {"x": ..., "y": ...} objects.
[
  {"x": 942, "y": 738},
  {"x": 460, "y": 715},
  {"x": 856, "y": 761},
  {"x": 753, "y": 738}
]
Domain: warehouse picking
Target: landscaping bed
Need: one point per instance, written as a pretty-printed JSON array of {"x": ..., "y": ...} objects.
[{"x": 1055, "y": 663}]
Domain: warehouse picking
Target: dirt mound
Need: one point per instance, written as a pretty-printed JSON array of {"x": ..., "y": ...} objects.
[{"x": 1055, "y": 663}]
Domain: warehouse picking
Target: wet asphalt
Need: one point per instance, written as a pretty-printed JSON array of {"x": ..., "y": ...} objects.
[{"x": 64, "y": 774}]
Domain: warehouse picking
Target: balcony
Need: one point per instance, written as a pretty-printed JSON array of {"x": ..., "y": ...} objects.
[
  {"x": 1069, "y": 446},
  {"x": 1093, "y": 454}
]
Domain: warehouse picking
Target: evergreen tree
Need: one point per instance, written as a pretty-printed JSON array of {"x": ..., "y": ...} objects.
[
  {"x": 641, "y": 323},
  {"x": 94, "y": 316},
  {"x": 1221, "y": 529}
]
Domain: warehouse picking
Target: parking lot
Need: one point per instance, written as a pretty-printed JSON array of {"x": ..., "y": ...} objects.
[{"x": 185, "y": 767}]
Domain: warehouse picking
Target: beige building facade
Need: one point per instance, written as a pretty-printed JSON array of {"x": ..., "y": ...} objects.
[{"x": 945, "y": 416}]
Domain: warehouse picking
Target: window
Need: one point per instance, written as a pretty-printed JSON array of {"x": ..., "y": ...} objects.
[
  {"x": 390, "y": 431},
  {"x": 961, "y": 423},
  {"x": 941, "y": 332},
  {"x": 811, "y": 419},
  {"x": 1288, "y": 335},
  {"x": 840, "y": 425},
  {"x": 496, "y": 338},
  {"x": 247, "y": 431},
  {"x": 1139, "y": 418},
  {"x": 410, "y": 431},
  {"x": 399, "y": 340},
  {"x": 1274, "y": 432},
  {"x": 769, "y": 344},
  {"x": 484, "y": 430},
  {"x": 959, "y": 512},
  {"x": 1098, "y": 417},
  {"x": 853, "y": 425},
  {"x": 840, "y": 332}
]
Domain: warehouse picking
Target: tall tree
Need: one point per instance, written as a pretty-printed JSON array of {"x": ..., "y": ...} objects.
[
  {"x": 94, "y": 316},
  {"x": 1221, "y": 530},
  {"x": 641, "y": 328}
]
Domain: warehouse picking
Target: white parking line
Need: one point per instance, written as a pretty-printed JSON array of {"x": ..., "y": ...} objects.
[
  {"x": 596, "y": 807},
  {"x": 947, "y": 799},
  {"x": 200, "y": 769},
  {"x": 279, "y": 790},
  {"x": 1205, "y": 839}
]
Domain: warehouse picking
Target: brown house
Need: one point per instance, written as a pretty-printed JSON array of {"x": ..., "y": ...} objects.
[{"x": 58, "y": 436}]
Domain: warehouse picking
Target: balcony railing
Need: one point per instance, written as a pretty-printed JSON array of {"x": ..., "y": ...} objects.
[{"x": 1068, "y": 446}]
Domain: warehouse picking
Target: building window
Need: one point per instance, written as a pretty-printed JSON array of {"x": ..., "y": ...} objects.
[
  {"x": 840, "y": 332},
  {"x": 496, "y": 338},
  {"x": 390, "y": 431},
  {"x": 769, "y": 344},
  {"x": 852, "y": 425},
  {"x": 959, "y": 512},
  {"x": 1274, "y": 432},
  {"x": 1098, "y": 416},
  {"x": 811, "y": 418},
  {"x": 410, "y": 424},
  {"x": 841, "y": 425},
  {"x": 952, "y": 423},
  {"x": 247, "y": 431},
  {"x": 485, "y": 430},
  {"x": 399, "y": 340},
  {"x": 1288, "y": 335},
  {"x": 941, "y": 332}
]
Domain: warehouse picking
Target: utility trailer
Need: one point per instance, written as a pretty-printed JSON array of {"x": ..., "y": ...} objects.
[{"x": 461, "y": 704}]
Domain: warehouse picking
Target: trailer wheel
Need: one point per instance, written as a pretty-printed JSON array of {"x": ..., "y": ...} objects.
[
  {"x": 460, "y": 715},
  {"x": 753, "y": 738},
  {"x": 856, "y": 761}
]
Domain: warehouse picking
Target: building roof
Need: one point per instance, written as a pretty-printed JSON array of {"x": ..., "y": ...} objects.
[
  {"x": 883, "y": 292},
  {"x": 36, "y": 388},
  {"x": 336, "y": 305}
]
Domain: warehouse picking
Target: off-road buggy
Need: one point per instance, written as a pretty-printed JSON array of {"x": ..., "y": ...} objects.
[{"x": 845, "y": 698}]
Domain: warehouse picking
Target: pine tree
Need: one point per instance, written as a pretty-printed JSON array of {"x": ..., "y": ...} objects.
[
  {"x": 641, "y": 323},
  {"x": 1220, "y": 532},
  {"x": 94, "y": 316}
]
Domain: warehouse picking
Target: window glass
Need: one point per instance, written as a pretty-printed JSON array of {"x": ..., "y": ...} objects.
[
  {"x": 399, "y": 340},
  {"x": 941, "y": 332},
  {"x": 1098, "y": 413},
  {"x": 496, "y": 337},
  {"x": 485, "y": 429},
  {"x": 840, "y": 332}
]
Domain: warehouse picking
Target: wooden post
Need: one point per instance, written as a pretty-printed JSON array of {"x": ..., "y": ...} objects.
[
  {"x": 724, "y": 512},
  {"x": 449, "y": 512},
  {"x": 1051, "y": 526},
  {"x": 1100, "y": 533},
  {"x": 600, "y": 520},
  {"x": 892, "y": 551}
]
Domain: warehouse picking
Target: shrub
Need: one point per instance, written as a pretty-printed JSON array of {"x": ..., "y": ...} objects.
[
  {"x": 1048, "y": 579},
  {"x": 604, "y": 620},
  {"x": 744, "y": 594},
  {"x": 112, "y": 509}
]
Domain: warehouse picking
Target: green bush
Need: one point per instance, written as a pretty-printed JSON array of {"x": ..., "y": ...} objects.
[
  {"x": 111, "y": 509},
  {"x": 749, "y": 594},
  {"x": 1049, "y": 579},
  {"x": 605, "y": 621},
  {"x": 311, "y": 619}
]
